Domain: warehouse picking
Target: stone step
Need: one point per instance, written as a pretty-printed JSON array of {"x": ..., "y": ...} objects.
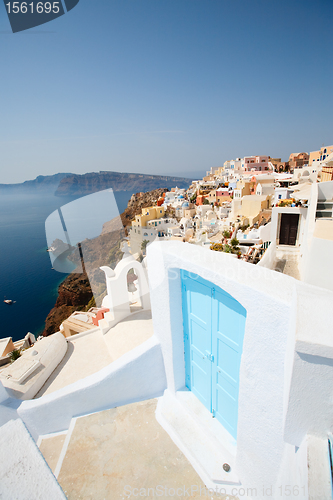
[
  {"x": 324, "y": 214},
  {"x": 106, "y": 323},
  {"x": 323, "y": 205},
  {"x": 122, "y": 446},
  {"x": 207, "y": 447},
  {"x": 214, "y": 430},
  {"x": 51, "y": 447}
]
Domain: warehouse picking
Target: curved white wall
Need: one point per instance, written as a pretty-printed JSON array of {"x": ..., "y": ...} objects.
[
  {"x": 136, "y": 376},
  {"x": 268, "y": 373}
]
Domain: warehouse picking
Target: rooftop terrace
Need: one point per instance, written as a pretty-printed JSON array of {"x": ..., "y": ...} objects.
[{"x": 107, "y": 455}]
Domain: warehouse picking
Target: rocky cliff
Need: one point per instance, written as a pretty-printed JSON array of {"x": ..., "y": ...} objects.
[
  {"x": 69, "y": 184},
  {"x": 80, "y": 185},
  {"x": 75, "y": 292},
  {"x": 41, "y": 183}
]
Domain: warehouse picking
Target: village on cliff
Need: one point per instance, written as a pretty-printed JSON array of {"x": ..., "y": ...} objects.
[{"x": 206, "y": 367}]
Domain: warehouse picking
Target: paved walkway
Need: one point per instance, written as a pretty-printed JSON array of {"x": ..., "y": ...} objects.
[
  {"x": 92, "y": 352},
  {"x": 129, "y": 333},
  {"x": 287, "y": 261},
  {"x": 112, "y": 452},
  {"x": 85, "y": 355}
]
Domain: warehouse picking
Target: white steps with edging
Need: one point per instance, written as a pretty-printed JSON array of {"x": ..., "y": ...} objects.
[
  {"x": 201, "y": 438},
  {"x": 106, "y": 323}
]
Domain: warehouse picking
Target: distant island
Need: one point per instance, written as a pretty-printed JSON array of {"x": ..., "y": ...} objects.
[
  {"x": 41, "y": 183},
  {"x": 67, "y": 184},
  {"x": 75, "y": 185}
]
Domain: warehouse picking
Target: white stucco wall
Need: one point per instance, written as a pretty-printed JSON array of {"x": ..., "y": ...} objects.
[
  {"x": 265, "y": 232},
  {"x": 267, "y": 366},
  {"x": 136, "y": 376},
  {"x": 24, "y": 474},
  {"x": 8, "y": 406},
  {"x": 325, "y": 190},
  {"x": 117, "y": 298},
  {"x": 269, "y": 258},
  {"x": 309, "y": 227},
  {"x": 310, "y": 405},
  {"x": 315, "y": 262},
  {"x": 48, "y": 353},
  {"x": 319, "y": 269},
  {"x": 276, "y": 218}
]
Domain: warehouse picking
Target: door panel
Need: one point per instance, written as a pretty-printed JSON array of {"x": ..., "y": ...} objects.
[
  {"x": 214, "y": 325},
  {"x": 288, "y": 229},
  {"x": 293, "y": 229},
  {"x": 227, "y": 343},
  {"x": 197, "y": 336}
]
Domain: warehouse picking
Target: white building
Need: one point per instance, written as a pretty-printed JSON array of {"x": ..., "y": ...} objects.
[
  {"x": 139, "y": 234},
  {"x": 282, "y": 193},
  {"x": 237, "y": 164},
  {"x": 241, "y": 361},
  {"x": 255, "y": 359},
  {"x": 303, "y": 235}
]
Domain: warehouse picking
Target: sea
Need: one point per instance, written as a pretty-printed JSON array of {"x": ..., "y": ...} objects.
[{"x": 27, "y": 275}]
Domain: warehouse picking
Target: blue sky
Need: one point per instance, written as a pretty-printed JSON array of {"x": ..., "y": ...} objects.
[{"x": 164, "y": 86}]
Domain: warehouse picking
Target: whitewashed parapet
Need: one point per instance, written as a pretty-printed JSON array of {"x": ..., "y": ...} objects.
[
  {"x": 286, "y": 373},
  {"x": 136, "y": 376},
  {"x": 117, "y": 299}
]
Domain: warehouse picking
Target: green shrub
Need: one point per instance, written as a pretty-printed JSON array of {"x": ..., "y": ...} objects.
[
  {"x": 14, "y": 355},
  {"x": 144, "y": 245},
  {"x": 91, "y": 303}
]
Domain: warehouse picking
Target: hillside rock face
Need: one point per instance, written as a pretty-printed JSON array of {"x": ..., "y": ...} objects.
[
  {"x": 80, "y": 185},
  {"x": 75, "y": 292},
  {"x": 139, "y": 201},
  {"x": 41, "y": 183}
]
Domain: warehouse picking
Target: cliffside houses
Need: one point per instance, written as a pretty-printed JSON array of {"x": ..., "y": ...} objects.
[{"x": 239, "y": 356}]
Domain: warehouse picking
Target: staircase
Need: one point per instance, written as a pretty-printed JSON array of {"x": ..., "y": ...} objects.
[
  {"x": 324, "y": 209},
  {"x": 287, "y": 260},
  {"x": 103, "y": 453},
  {"x": 202, "y": 439}
]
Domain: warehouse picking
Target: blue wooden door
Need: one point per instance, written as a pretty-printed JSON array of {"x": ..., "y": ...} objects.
[
  {"x": 214, "y": 325},
  {"x": 197, "y": 308}
]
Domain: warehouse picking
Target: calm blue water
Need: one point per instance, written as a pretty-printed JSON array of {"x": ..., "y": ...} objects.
[{"x": 26, "y": 274}]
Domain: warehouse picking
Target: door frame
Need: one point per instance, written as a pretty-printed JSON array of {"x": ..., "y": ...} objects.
[
  {"x": 218, "y": 382},
  {"x": 281, "y": 216}
]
